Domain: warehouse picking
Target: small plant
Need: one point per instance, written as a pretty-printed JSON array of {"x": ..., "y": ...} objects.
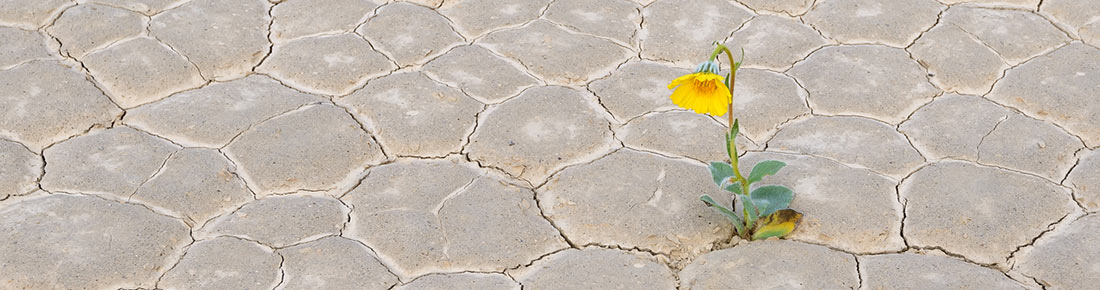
[{"x": 764, "y": 211}]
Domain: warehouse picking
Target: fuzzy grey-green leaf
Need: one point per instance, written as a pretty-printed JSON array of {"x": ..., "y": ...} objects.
[
  {"x": 750, "y": 208},
  {"x": 736, "y": 220},
  {"x": 733, "y": 187},
  {"x": 720, "y": 171},
  {"x": 772, "y": 198},
  {"x": 765, "y": 168}
]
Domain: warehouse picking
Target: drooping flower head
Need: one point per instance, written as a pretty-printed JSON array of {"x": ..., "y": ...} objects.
[{"x": 703, "y": 91}]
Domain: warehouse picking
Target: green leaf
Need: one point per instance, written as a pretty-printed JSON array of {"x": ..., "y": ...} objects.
[
  {"x": 727, "y": 82},
  {"x": 734, "y": 187},
  {"x": 737, "y": 223},
  {"x": 729, "y": 149},
  {"x": 738, "y": 64},
  {"x": 731, "y": 185},
  {"x": 721, "y": 172},
  {"x": 777, "y": 224},
  {"x": 731, "y": 145},
  {"x": 749, "y": 208},
  {"x": 772, "y": 198},
  {"x": 764, "y": 168}
]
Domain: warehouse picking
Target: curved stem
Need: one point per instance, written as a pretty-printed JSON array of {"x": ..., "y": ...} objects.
[
  {"x": 730, "y": 82},
  {"x": 730, "y": 79},
  {"x": 718, "y": 49},
  {"x": 749, "y": 209}
]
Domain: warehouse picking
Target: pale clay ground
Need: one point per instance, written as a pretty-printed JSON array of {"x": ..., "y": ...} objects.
[{"x": 460, "y": 144}]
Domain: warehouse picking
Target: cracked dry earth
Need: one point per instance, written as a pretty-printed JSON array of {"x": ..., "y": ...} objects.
[{"x": 461, "y": 144}]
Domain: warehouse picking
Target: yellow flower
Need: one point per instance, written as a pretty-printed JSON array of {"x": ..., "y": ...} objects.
[{"x": 703, "y": 92}]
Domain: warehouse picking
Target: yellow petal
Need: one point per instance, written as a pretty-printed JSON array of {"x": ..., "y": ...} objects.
[
  {"x": 724, "y": 99},
  {"x": 724, "y": 91},
  {"x": 676, "y": 82},
  {"x": 702, "y": 93},
  {"x": 680, "y": 95},
  {"x": 719, "y": 109},
  {"x": 703, "y": 77}
]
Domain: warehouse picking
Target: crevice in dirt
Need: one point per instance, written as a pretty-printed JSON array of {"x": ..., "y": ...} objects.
[
  {"x": 859, "y": 272},
  {"x": 797, "y": 62},
  {"x": 374, "y": 254},
  {"x": 1073, "y": 189},
  {"x": 177, "y": 260},
  {"x": 992, "y": 266},
  {"x": 655, "y": 112},
  {"x": 667, "y": 155},
  {"x": 269, "y": 118},
  {"x": 282, "y": 270},
  {"x": 1004, "y": 74},
  {"x": 909, "y": 140},
  {"x": 270, "y": 42},
  {"x": 755, "y": 12},
  {"x": 1012, "y": 256},
  {"x": 542, "y": 12},
  {"x": 373, "y": 136},
  {"x": 435, "y": 78},
  {"x": 978, "y": 148},
  {"x": 53, "y": 17},
  {"x": 533, "y": 261},
  {"x": 163, "y": 164},
  {"x": 517, "y": 63},
  {"x": 372, "y": 14},
  {"x": 439, "y": 218},
  {"x": 939, "y": 17},
  {"x": 922, "y": 106},
  {"x": 599, "y": 100},
  {"x": 830, "y": 40},
  {"x": 198, "y": 227},
  {"x": 1042, "y": 284},
  {"x": 1038, "y": 118},
  {"x": 414, "y": 279},
  {"x": 657, "y": 255},
  {"x": 243, "y": 238},
  {"x": 551, "y": 175},
  {"x": 478, "y": 119},
  {"x": 524, "y": 183},
  {"x": 118, "y": 199},
  {"x": 236, "y": 174},
  {"x": 638, "y": 37},
  {"x": 765, "y": 144},
  {"x": 1077, "y": 161},
  {"x": 734, "y": 31},
  {"x": 635, "y": 37},
  {"x": 83, "y": 68},
  {"x": 1055, "y": 22},
  {"x": 542, "y": 213},
  {"x": 974, "y": 37},
  {"x": 347, "y": 216},
  {"x": 575, "y": 31},
  {"x": 184, "y": 56},
  {"x": 849, "y": 165},
  {"x": 904, "y": 202}
]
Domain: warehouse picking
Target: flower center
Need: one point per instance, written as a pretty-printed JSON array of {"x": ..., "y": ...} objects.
[{"x": 706, "y": 87}]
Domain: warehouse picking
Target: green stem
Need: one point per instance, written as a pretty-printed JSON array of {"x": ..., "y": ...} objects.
[
  {"x": 716, "y": 51},
  {"x": 729, "y": 84},
  {"x": 749, "y": 209}
]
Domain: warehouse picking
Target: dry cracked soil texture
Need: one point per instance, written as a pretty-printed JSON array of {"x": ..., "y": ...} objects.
[{"x": 530, "y": 144}]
